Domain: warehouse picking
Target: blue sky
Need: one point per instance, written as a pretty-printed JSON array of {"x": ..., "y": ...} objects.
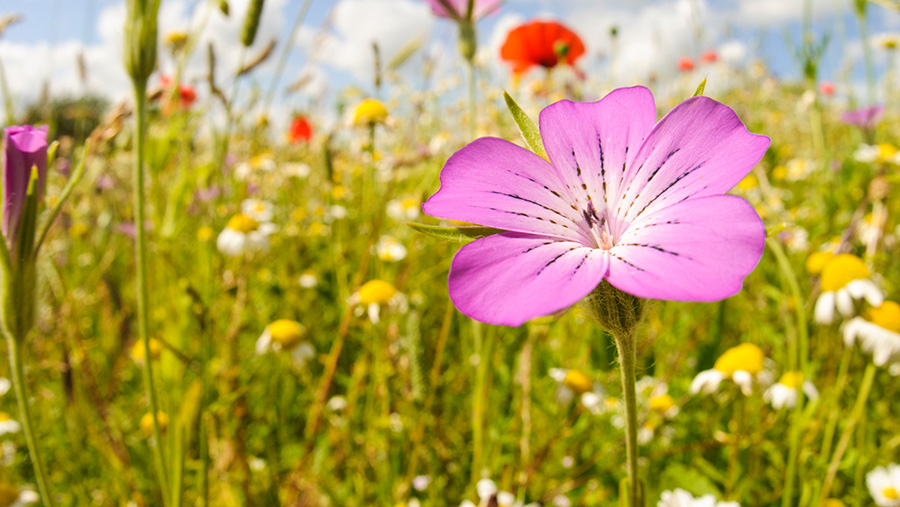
[{"x": 334, "y": 46}]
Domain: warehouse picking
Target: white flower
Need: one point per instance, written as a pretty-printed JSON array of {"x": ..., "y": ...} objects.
[
  {"x": 744, "y": 364},
  {"x": 681, "y": 498},
  {"x": 297, "y": 170},
  {"x": 707, "y": 381},
  {"x": 421, "y": 482},
  {"x": 784, "y": 392},
  {"x": 485, "y": 488},
  {"x": 884, "y": 485},
  {"x": 7, "y": 424},
  {"x": 844, "y": 278},
  {"x": 26, "y": 497},
  {"x": 389, "y": 249},
  {"x": 405, "y": 209},
  {"x": 286, "y": 335},
  {"x": 308, "y": 280},
  {"x": 4, "y": 385},
  {"x": 244, "y": 235},
  {"x": 572, "y": 384},
  {"x": 375, "y": 295},
  {"x": 878, "y": 332},
  {"x": 336, "y": 212},
  {"x": 336, "y": 403},
  {"x": 257, "y": 209}
]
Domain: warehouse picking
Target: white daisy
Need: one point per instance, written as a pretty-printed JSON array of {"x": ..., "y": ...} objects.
[
  {"x": 844, "y": 278},
  {"x": 389, "y": 249},
  {"x": 743, "y": 364},
  {"x": 682, "y": 498},
  {"x": 8, "y": 424},
  {"x": 784, "y": 392},
  {"x": 884, "y": 485},
  {"x": 257, "y": 209},
  {"x": 405, "y": 209},
  {"x": 376, "y": 295},
  {"x": 878, "y": 332},
  {"x": 286, "y": 335},
  {"x": 244, "y": 235}
]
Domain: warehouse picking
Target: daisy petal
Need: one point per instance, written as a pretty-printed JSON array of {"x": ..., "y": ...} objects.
[
  {"x": 698, "y": 250},
  {"x": 509, "y": 278},
  {"x": 700, "y": 148},
  {"x": 591, "y": 143},
  {"x": 495, "y": 183}
]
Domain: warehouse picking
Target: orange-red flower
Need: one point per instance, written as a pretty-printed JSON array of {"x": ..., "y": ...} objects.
[
  {"x": 826, "y": 88},
  {"x": 186, "y": 93},
  {"x": 709, "y": 56},
  {"x": 300, "y": 130},
  {"x": 544, "y": 43},
  {"x": 685, "y": 64}
]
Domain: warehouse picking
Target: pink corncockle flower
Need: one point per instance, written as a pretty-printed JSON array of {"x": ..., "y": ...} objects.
[
  {"x": 865, "y": 118},
  {"x": 623, "y": 198},
  {"x": 25, "y": 147},
  {"x": 458, "y": 8}
]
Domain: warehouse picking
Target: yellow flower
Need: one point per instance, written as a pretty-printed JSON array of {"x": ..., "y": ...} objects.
[
  {"x": 137, "y": 350},
  {"x": 844, "y": 278},
  {"x": 205, "y": 233},
  {"x": 792, "y": 379},
  {"x": 662, "y": 403},
  {"x": 176, "y": 40},
  {"x": 749, "y": 183},
  {"x": 887, "y": 316},
  {"x": 376, "y": 292},
  {"x": 369, "y": 112},
  {"x": 147, "y": 422},
  {"x": 287, "y": 333},
  {"x": 578, "y": 382},
  {"x": 817, "y": 261},
  {"x": 841, "y": 270},
  {"x": 242, "y": 223},
  {"x": 746, "y": 357}
]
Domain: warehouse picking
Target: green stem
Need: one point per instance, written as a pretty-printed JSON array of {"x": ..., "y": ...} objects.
[
  {"x": 627, "y": 360},
  {"x": 857, "y": 413},
  {"x": 836, "y": 412},
  {"x": 282, "y": 58},
  {"x": 470, "y": 66},
  {"x": 867, "y": 54},
  {"x": 483, "y": 344},
  {"x": 140, "y": 112},
  {"x": 18, "y": 380}
]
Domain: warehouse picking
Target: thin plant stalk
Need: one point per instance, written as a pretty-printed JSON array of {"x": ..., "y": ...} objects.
[
  {"x": 140, "y": 247},
  {"x": 627, "y": 360},
  {"x": 831, "y": 425},
  {"x": 18, "y": 381},
  {"x": 867, "y": 50},
  {"x": 857, "y": 413},
  {"x": 282, "y": 58},
  {"x": 470, "y": 66}
]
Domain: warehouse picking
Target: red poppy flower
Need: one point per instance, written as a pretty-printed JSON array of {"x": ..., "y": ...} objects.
[
  {"x": 685, "y": 64},
  {"x": 186, "y": 93},
  {"x": 709, "y": 56},
  {"x": 826, "y": 88},
  {"x": 544, "y": 43},
  {"x": 300, "y": 130}
]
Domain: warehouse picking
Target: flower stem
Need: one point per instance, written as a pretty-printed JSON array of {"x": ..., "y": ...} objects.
[
  {"x": 470, "y": 66},
  {"x": 140, "y": 113},
  {"x": 857, "y": 413},
  {"x": 627, "y": 360},
  {"x": 18, "y": 380},
  {"x": 867, "y": 53}
]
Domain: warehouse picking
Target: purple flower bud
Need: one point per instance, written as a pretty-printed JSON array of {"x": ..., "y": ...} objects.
[{"x": 25, "y": 147}]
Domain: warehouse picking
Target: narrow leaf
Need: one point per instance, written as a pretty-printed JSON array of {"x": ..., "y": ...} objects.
[
  {"x": 462, "y": 234},
  {"x": 70, "y": 186},
  {"x": 700, "y": 88},
  {"x": 529, "y": 130}
]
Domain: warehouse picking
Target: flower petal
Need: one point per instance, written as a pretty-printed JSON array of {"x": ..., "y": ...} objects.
[
  {"x": 700, "y": 148},
  {"x": 509, "y": 278},
  {"x": 697, "y": 250},
  {"x": 495, "y": 183},
  {"x": 590, "y": 144}
]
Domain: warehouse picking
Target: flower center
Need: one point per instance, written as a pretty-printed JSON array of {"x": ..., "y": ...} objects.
[
  {"x": 242, "y": 223},
  {"x": 577, "y": 381},
  {"x": 887, "y": 316},
  {"x": 599, "y": 227},
  {"x": 662, "y": 403},
  {"x": 745, "y": 357},
  {"x": 842, "y": 270},
  {"x": 376, "y": 291},
  {"x": 286, "y": 332},
  {"x": 791, "y": 379},
  {"x": 4, "y": 417},
  {"x": 890, "y": 493}
]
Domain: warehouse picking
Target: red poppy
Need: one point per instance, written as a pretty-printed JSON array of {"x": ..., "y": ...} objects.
[
  {"x": 186, "y": 93},
  {"x": 685, "y": 64},
  {"x": 709, "y": 56},
  {"x": 300, "y": 130},
  {"x": 826, "y": 88},
  {"x": 544, "y": 43}
]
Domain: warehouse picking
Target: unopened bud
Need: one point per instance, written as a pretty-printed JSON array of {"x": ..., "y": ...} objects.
[
  {"x": 140, "y": 39},
  {"x": 251, "y": 22},
  {"x": 468, "y": 42}
]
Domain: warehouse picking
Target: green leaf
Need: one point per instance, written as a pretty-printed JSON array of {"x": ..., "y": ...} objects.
[
  {"x": 700, "y": 88},
  {"x": 773, "y": 229},
  {"x": 529, "y": 130},
  {"x": 51, "y": 152},
  {"x": 462, "y": 234},
  {"x": 67, "y": 191}
]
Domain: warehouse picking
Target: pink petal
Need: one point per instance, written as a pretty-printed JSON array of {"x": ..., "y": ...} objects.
[
  {"x": 495, "y": 183},
  {"x": 700, "y": 148},
  {"x": 697, "y": 250},
  {"x": 509, "y": 278},
  {"x": 591, "y": 143}
]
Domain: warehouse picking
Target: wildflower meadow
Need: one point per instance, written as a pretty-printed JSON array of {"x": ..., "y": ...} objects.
[{"x": 416, "y": 253}]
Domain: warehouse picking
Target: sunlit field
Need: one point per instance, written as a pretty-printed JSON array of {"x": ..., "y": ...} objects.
[{"x": 223, "y": 288}]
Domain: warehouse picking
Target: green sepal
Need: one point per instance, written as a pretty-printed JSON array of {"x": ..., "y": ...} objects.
[
  {"x": 700, "y": 88},
  {"x": 51, "y": 152},
  {"x": 462, "y": 234},
  {"x": 527, "y": 127},
  {"x": 28, "y": 224},
  {"x": 773, "y": 229}
]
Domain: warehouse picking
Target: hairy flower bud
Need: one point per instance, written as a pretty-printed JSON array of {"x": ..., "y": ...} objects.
[
  {"x": 616, "y": 311},
  {"x": 468, "y": 42},
  {"x": 140, "y": 39}
]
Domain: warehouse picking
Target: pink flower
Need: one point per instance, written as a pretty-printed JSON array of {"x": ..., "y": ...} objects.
[
  {"x": 458, "y": 8},
  {"x": 25, "y": 147},
  {"x": 865, "y": 118},
  {"x": 826, "y": 88},
  {"x": 639, "y": 203}
]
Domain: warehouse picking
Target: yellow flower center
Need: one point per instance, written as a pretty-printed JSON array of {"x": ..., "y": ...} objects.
[
  {"x": 4, "y": 417},
  {"x": 745, "y": 357},
  {"x": 887, "y": 316},
  {"x": 578, "y": 382},
  {"x": 662, "y": 403},
  {"x": 205, "y": 233},
  {"x": 890, "y": 493},
  {"x": 137, "y": 350},
  {"x": 9, "y": 495},
  {"x": 842, "y": 270},
  {"x": 410, "y": 203},
  {"x": 748, "y": 183},
  {"x": 242, "y": 223},
  {"x": 286, "y": 332},
  {"x": 369, "y": 112},
  {"x": 791, "y": 379},
  {"x": 147, "y": 422},
  {"x": 817, "y": 261},
  {"x": 886, "y": 151},
  {"x": 376, "y": 291}
]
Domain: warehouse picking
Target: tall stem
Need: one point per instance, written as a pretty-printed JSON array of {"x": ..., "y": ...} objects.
[
  {"x": 470, "y": 66},
  {"x": 140, "y": 247},
  {"x": 18, "y": 380},
  {"x": 858, "y": 409},
  {"x": 867, "y": 53},
  {"x": 627, "y": 360}
]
